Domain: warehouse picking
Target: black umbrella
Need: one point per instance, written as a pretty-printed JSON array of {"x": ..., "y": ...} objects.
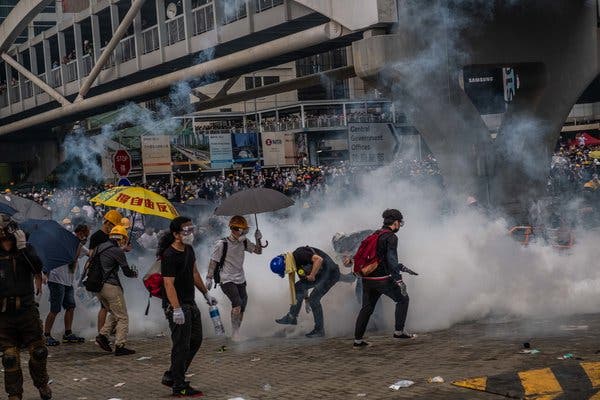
[
  {"x": 254, "y": 201},
  {"x": 55, "y": 245},
  {"x": 26, "y": 209},
  {"x": 6, "y": 209}
]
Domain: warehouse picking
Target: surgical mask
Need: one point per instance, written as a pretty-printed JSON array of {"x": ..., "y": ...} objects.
[
  {"x": 188, "y": 239},
  {"x": 242, "y": 238}
]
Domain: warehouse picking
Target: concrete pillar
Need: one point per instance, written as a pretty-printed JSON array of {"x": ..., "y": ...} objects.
[
  {"x": 218, "y": 15},
  {"x": 62, "y": 52},
  {"x": 161, "y": 19},
  {"x": 137, "y": 33},
  {"x": 251, "y": 12},
  {"x": 78, "y": 50},
  {"x": 96, "y": 41},
  {"x": 114, "y": 24},
  {"x": 188, "y": 24},
  {"x": 9, "y": 89},
  {"x": 47, "y": 60}
]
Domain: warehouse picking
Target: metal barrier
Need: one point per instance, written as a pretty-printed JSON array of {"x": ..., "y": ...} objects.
[
  {"x": 71, "y": 71},
  {"x": 37, "y": 89},
  {"x": 111, "y": 60},
  {"x": 126, "y": 49},
  {"x": 27, "y": 89},
  {"x": 55, "y": 78},
  {"x": 15, "y": 96},
  {"x": 88, "y": 64},
  {"x": 175, "y": 30},
  {"x": 150, "y": 40},
  {"x": 203, "y": 19},
  {"x": 3, "y": 98}
]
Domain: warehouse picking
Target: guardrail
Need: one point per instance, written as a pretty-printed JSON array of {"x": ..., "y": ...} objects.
[
  {"x": 175, "y": 30},
  {"x": 203, "y": 19},
  {"x": 55, "y": 78},
  {"x": 150, "y": 40},
  {"x": 88, "y": 64},
  {"x": 126, "y": 49},
  {"x": 3, "y": 98},
  {"x": 37, "y": 90},
  {"x": 15, "y": 96},
  {"x": 71, "y": 71},
  {"x": 27, "y": 89}
]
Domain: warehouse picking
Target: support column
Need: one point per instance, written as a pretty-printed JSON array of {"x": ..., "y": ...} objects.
[
  {"x": 47, "y": 61},
  {"x": 62, "y": 52},
  {"x": 9, "y": 88},
  {"x": 161, "y": 20},
  {"x": 96, "y": 40},
  {"x": 137, "y": 33},
  {"x": 114, "y": 25},
  {"x": 78, "y": 51},
  {"x": 188, "y": 24}
]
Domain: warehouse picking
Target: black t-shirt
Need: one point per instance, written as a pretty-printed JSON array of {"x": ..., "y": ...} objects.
[
  {"x": 180, "y": 265},
  {"x": 97, "y": 239},
  {"x": 303, "y": 257}
]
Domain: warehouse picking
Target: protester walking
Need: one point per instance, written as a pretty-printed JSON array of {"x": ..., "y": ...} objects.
[
  {"x": 181, "y": 278},
  {"x": 384, "y": 278},
  {"x": 20, "y": 324},
  {"x": 227, "y": 268},
  {"x": 111, "y": 256}
]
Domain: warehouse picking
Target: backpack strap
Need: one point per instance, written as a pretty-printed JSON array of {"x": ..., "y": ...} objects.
[{"x": 224, "y": 252}]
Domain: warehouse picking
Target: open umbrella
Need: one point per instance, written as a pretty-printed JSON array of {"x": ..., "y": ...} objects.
[
  {"x": 138, "y": 200},
  {"x": 6, "y": 209},
  {"x": 26, "y": 209},
  {"x": 55, "y": 245},
  {"x": 254, "y": 201}
]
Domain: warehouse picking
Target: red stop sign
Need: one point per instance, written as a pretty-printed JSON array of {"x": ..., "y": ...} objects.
[{"x": 122, "y": 163}]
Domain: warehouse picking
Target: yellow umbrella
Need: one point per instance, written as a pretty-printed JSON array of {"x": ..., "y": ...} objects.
[
  {"x": 595, "y": 154},
  {"x": 137, "y": 199}
]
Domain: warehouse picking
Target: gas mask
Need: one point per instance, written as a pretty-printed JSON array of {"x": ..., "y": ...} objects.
[{"x": 187, "y": 234}]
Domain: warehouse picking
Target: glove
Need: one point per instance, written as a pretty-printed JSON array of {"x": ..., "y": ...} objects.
[
  {"x": 402, "y": 287},
  {"x": 178, "y": 316},
  {"x": 209, "y": 283},
  {"x": 210, "y": 299},
  {"x": 21, "y": 239},
  {"x": 409, "y": 271},
  {"x": 258, "y": 236}
]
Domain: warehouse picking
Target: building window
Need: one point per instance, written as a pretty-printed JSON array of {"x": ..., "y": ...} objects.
[
  {"x": 258, "y": 81},
  {"x": 269, "y": 80},
  {"x": 41, "y": 26},
  {"x": 262, "y": 5},
  {"x": 233, "y": 10}
]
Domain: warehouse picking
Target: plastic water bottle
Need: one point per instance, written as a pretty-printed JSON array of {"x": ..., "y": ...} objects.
[{"x": 215, "y": 316}]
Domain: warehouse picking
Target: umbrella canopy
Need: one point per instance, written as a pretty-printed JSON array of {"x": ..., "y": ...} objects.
[
  {"x": 254, "y": 201},
  {"x": 26, "y": 209},
  {"x": 137, "y": 199},
  {"x": 55, "y": 245},
  {"x": 6, "y": 209}
]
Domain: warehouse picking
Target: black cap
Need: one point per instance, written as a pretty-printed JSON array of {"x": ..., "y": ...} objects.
[{"x": 392, "y": 214}]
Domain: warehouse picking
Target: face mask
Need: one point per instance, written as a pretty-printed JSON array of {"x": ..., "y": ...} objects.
[
  {"x": 242, "y": 238},
  {"x": 188, "y": 239},
  {"x": 395, "y": 230}
]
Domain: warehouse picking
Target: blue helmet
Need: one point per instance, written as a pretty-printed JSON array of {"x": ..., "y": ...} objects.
[{"x": 278, "y": 265}]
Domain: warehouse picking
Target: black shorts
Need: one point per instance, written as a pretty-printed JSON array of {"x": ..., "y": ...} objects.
[{"x": 236, "y": 293}]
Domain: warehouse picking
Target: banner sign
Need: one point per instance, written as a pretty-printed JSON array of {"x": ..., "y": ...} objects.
[
  {"x": 371, "y": 144},
  {"x": 245, "y": 148},
  {"x": 221, "y": 153},
  {"x": 156, "y": 154},
  {"x": 273, "y": 144}
]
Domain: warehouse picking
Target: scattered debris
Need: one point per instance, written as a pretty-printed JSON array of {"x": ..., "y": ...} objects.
[
  {"x": 526, "y": 345},
  {"x": 222, "y": 349},
  {"x": 436, "y": 379},
  {"x": 529, "y": 351},
  {"x": 189, "y": 375},
  {"x": 51, "y": 381},
  {"x": 121, "y": 384},
  {"x": 573, "y": 327},
  {"x": 565, "y": 356},
  {"x": 255, "y": 359},
  {"x": 162, "y": 334},
  {"x": 144, "y": 358},
  {"x": 236, "y": 398},
  {"x": 361, "y": 395},
  {"x": 266, "y": 387},
  {"x": 402, "y": 384}
]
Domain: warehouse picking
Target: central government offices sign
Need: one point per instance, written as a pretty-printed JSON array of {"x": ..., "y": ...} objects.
[{"x": 371, "y": 143}]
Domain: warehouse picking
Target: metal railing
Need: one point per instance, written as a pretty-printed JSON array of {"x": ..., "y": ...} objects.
[
  {"x": 175, "y": 30},
  {"x": 150, "y": 40},
  {"x": 3, "y": 97},
  {"x": 203, "y": 19},
  {"x": 27, "y": 89},
  {"x": 88, "y": 64},
  {"x": 37, "y": 89},
  {"x": 126, "y": 49},
  {"x": 71, "y": 71},
  {"x": 111, "y": 60},
  {"x": 55, "y": 78},
  {"x": 15, "y": 96}
]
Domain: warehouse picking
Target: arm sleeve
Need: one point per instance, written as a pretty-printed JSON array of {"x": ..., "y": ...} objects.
[
  {"x": 32, "y": 259},
  {"x": 392, "y": 257},
  {"x": 121, "y": 259},
  {"x": 217, "y": 251},
  {"x": 251, "y": 247},
  {"x": 167, "y": 268}
]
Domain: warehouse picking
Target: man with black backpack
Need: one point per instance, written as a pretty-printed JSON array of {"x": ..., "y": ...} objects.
[
  {"x": 376, "y": 262},
  {"x": 227, "y": 268}
]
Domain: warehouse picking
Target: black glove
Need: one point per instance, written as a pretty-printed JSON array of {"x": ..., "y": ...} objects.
[{"x": 407, "y": 270}]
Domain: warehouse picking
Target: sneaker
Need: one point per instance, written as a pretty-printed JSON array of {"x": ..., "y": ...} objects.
[
  {"x": 45, "y": 393},
  {"x": 404, "y": 335},
  {"x": 361, "y": 345},
  {"x": 287, "y": 320},
  {"x": 72, "y": 338},
  {"x": 187, "y": 392},
  {"x": 51, "y": 342},
  {"x": 168, "y": 382},
  {"x": 123, "y": 351},
  {"x": 104, "y": 343},
  {"x": 315, "y": 334}
]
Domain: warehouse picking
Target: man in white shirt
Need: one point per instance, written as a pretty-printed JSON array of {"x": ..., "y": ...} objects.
[
  {"x": 62, "y": 296},
  {"x": 149, "y": 239},
  {"x": 227, "y": 268}
]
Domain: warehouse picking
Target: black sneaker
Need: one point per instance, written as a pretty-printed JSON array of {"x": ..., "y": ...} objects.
[
  {"x": 361, "y": 345},
  {"x": 104, "y": 343},
  {"x": 187, "y": 392},
  {"x": 45, "y": 393},
  {"x": 123, "y": 351},
  {"x": 287, "y": 320},
  {"x": 404, "y": 335},
  {"x": 168, "y": 382},
  {"x": 315, "y": 334}
]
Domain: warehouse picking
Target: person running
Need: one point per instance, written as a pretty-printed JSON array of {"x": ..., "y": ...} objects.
[
  {"x": 62, "y": 294},
  {"x": 112, "y": 258},
  {"x": 317, "y": 271},
  {"x": 111, "y": 219},
  {"x": 20, "y": 325},
  {"x": 227, "y": 260},
  {"x": 385, "y": 280},
  {"x": 181, "y": 276}
]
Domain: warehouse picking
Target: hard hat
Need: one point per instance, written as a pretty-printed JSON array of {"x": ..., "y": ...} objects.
[
  {"x": 278, "y": 265},
  {"x": 75, "y": 210},
  {"x": 125, "y": 222},
  {"x": 113, "y": 216},
  {"x": 66, "y": 221},
  {"x": 119, "y": 230},
  {"x": 471, "y": 200},
  {"x": 238, "y": 222}
]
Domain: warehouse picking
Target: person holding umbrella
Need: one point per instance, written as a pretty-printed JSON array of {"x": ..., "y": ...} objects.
[{"x": 227, "y": 268}]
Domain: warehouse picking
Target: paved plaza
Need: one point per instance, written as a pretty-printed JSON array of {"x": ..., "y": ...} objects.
[{"x": 298, "y": 368}]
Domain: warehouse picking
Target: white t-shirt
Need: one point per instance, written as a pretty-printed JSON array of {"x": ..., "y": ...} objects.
[
  {"x": 63, "y": 275},
  {"x": 149, "y": 242},
  {"x": 233, "y": 267}
]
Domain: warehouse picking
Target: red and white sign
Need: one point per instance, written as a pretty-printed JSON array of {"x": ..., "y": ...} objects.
[{"x": 122, "y": 163}]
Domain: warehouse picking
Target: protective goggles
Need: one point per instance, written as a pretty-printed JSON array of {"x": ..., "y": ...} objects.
[
  {"x": 188, "y": 230},
  {"x": 244, "y": 231}
]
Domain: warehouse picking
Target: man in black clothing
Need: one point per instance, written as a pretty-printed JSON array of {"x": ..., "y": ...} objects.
[
  {"x": 319, "y": 272},
  {"x": 181, "y": 277},
  {"x": 385, "y": 280}
]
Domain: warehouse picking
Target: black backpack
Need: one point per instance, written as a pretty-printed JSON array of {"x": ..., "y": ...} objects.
[
  {"x": 217, "y": 273},
  {"x": 95, "y": 278}
]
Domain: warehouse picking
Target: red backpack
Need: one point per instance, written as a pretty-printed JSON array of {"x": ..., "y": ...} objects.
[
  {"x": 365, "y": 259},
  {"x": 153, "y": 281}
]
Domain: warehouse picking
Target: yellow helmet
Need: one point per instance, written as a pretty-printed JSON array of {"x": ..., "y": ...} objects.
[
  {"x": 120, "y": 231},
  {"x": 238, "y": 222},
  {"x": 125, "y": 222},
  {"x": 114, "y": 217}
]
